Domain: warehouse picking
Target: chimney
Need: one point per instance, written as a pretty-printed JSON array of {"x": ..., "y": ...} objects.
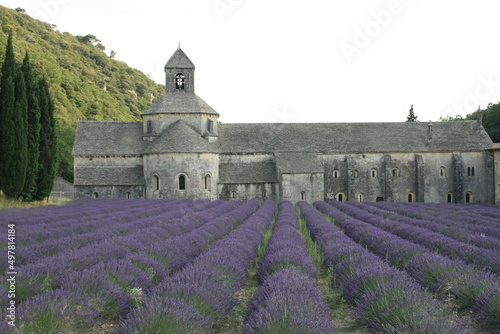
[{"x": 479, "y": 114}]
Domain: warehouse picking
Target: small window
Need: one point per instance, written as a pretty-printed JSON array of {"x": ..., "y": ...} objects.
[
  {"x": 336, "y": 174},
  {"x": 149, "y": 126},
  {"x": 361, "y": 197},
  {"x": 211, "y": 126},
  {"x": 379, "y": 199},
  {"x": 356, "y": 173},
  {"x": 127, "y": 195},
  {"x": 410, "y": 197},
  {"x": 182, "y": 182},
  {"x": 472, "y": 171},
  {"x": 449, "y": 197},
  {"x": 208, "y": 182},
  {"x": 264, "y": 193},
  {"x": 468, "y": 197},
  {"x": 303, "y": 196},
  {"x": 233, "y": 195},
  {"x": 179, "y": 81},
  {"x": 96, "y": 195},
  {"x": 395, "y": 172},
  {"x": 341, "y": 197},
  {"x": 156, "y": 182},
  {"x": 374, "y": 172},
  {"x": 442, "y": 172}
]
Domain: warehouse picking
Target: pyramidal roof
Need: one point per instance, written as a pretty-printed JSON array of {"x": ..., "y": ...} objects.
[
  {"x": 180, "y": 138},
  {"x": 179, "y": 60},
  {"x": 180, "y": 103}
]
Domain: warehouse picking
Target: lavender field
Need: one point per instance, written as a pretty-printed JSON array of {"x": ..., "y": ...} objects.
[{"x": 199, "y": 266}]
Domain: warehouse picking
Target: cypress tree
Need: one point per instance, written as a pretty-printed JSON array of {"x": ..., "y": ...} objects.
[
  {"x": 33, "y": 130},
  {"x": 13, "y": 113},
  {"x": 47, "y": 160},
  {"x": 411, "y": 116}
]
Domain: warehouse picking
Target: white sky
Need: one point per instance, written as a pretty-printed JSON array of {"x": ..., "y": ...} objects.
[{"x": 305, "y": 61}]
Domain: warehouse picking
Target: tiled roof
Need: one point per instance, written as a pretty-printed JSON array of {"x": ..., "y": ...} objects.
[
  {"x": 103, "y": 176},
  {"x": 298, "y": 162},
  {"x": 108, "y": 138},
  {"x": 180, "y": 102},
  {"x": 257, "y": 172},
  {"x": 180, "y": 138},
  {"x": 179, "y": 60},
  {"x": 353, "y": 137}
]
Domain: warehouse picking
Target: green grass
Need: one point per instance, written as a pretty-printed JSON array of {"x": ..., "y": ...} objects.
[{"x": 342, "y": 312}]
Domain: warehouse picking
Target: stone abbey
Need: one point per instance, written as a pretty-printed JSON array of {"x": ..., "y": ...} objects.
[{"x": 181, "y": 150}]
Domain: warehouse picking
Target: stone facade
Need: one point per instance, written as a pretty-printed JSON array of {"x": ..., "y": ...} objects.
[{"x": 181, "y": 150}]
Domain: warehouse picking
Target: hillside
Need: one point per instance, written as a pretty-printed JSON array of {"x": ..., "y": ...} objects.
[{"x": 85, "y": 82}]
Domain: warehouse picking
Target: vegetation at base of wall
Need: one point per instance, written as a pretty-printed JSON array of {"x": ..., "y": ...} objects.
[
  {"x": 8, "y": 203},
  {"x": 85, "y": 83}
]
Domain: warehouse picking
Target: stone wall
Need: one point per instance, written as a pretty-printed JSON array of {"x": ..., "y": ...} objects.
[
  {"x": 302, "y": 187},
  {"x": 170, "y": 166}
]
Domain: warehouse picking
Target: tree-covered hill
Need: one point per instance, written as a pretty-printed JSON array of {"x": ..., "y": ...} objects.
[
  {"x": 85, "y": 82},
  {"x": 491, "y": 120}
]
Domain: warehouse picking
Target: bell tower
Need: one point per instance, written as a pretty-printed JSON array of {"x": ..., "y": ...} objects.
[{"x": 179, "y": 73}]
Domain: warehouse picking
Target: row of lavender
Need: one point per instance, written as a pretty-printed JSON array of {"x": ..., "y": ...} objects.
[
  {"x": 287, "y": 299},
  {"x": 469, "y": 227},
  {"x": 71, "y": 229},
  {"x": 418, "y": 231},
  {"x": 197, "y": 297},
  {"x": 387, "y": 300},
  {"x": 472, "y": 287},
  {"x": 104, "y": 281}
]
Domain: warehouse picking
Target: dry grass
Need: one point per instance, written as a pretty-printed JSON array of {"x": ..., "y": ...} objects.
[{"x": 8, "y": 203}]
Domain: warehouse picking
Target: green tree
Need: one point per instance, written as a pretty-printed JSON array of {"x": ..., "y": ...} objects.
[
  {"x": 13, "y": 113},
  {"x": 48, "y": 151},
  {"x": 491, "y": 121},
  {"x": 33, "y": 130},
  {"x": 411, "y": 116}
]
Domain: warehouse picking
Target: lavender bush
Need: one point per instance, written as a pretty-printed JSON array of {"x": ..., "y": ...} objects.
[
  {"x": 287, "y": 300},
  {"x": 385, "y": 298},
  {"x": 207, "y": 285},
  {"x": 439, "y": 273}
]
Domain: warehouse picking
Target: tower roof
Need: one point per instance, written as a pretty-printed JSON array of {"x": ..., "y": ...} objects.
[
  {"x": 179, "y": 60},
  {"x": 177, "y": 103}
]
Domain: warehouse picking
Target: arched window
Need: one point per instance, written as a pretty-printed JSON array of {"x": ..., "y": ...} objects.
[
  {"x": 442, "y": 172},
  {"x": 182, "y": 182},
  {"x": 341, "y": 197},
  {"x": 468, "y": 197},
  {"x": 156, "y": 182},
  {"x": 179, "y": 81},
  {"x": 127, "y": 195},
  {"x": 410, "y": 197},
  {"x": 96, "y": 195},
  {"x": 395, "y": 172},
  {"x": 336, "y": 174},
  {"x": 208, "y": 182},
  {"x": 374, "y": 172},
  {"x": 264, "y": 193},
  {"x": 449, "y": 197},
  {"x": 233, "y": 195},
  {"x": 303, "y": 196},
  {"x": 361, "y": 197}
]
